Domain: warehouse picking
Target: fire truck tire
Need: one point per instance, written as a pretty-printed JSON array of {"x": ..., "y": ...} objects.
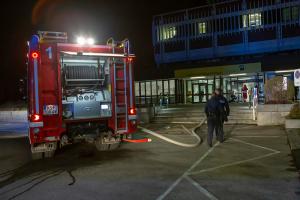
[
  {"x": 100, "y": 146},
  {"x": 49, "y": 154},
  {"x": 37, "y": 156}
]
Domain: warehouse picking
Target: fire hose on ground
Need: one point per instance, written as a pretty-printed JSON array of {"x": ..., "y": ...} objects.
[{"x": 193, "y": 133}]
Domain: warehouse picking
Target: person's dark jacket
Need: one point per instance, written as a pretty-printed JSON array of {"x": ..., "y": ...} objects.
[
  {"x": 225, "y": 110},
  {"x": 213, "y": 108}
]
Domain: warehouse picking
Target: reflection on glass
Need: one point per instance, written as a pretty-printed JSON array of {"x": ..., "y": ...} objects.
[
  {"x": 137, "y": 89},
  {"x": 159, "y": 87},
  {"x": 218, "y": 85},
  {"x": 196, "y": 98},
  {"x": 148, "y": 89},
  {"x": 210, "y": 89},
  {"x": 202, "y": 93},
  {"x": 142, "y": 88},
  {"x": 189, "y": 92},
  {"x": 166, "y": 87},
  {"x": 154, "y": 89},
  {"x": 172, "y": 87}
]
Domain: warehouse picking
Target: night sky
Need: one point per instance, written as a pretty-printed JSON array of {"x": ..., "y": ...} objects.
[{"x": 101, "y": 19}]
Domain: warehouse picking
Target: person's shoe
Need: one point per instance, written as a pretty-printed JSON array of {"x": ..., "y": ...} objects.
[
  {"x": 221, "y": 141},
  {"x": 210, "y": 145}
]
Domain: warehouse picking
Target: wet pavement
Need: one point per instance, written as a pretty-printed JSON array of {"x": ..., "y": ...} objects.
[{"x": 253, "y": 163}]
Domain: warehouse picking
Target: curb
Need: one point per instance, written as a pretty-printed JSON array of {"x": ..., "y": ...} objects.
[{"x": 18, "y": 116}]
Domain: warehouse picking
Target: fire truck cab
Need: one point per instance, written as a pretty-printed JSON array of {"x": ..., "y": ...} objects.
[{"x": 78, "y": 92}]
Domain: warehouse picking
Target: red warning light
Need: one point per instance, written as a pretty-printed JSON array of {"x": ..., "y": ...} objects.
[
  {"x": 34, "y": 55},
  {"x": 132, "y": 111},
  {"x": 130, "y": 59},
  {"x": 35, "y": 118}
]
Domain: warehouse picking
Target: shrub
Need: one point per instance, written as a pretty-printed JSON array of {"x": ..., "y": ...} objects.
[
  {"x": 276, "y": 93},
  {"x": 295, "y": 112}
]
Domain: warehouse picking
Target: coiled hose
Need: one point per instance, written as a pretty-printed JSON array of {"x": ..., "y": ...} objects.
[{"x": 174, "y": 141}]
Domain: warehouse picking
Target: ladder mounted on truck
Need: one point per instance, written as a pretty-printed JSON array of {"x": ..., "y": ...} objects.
[
  {"x": 120, "y": 82},
  {"x": 50, "y": 36}
]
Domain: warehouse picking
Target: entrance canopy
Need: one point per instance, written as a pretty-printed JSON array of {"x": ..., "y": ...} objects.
[{"x": 218, "y": 70}]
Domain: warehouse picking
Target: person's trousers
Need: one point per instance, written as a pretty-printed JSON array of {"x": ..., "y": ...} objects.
[
  {"x": 212, "y": 126},
  {"x": 220, "y": 131}
]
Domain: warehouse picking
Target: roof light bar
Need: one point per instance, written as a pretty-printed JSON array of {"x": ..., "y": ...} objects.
[{"x": 82, "y": 40}]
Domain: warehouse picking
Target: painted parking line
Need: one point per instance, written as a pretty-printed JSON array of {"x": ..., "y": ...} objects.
[
  {"x": 185, "y": 174},
  {"x": 189, "y": 172},
  {"x": 255, "y": 136},
  {"x": 274, "y": 152},
  {"x": 255, "y": 145},
  {"x": 201, "y": 189},
  {"x": 233, "y": 163}
]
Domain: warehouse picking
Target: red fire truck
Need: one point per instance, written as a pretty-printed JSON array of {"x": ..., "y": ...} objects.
[{"x": 78, "y": 92}]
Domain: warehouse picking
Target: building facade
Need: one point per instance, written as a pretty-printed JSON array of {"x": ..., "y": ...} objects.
[{"x": 228, "y": 44}]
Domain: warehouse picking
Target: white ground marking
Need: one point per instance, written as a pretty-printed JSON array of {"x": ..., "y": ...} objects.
[
  {"x": 183, "y": 122},
  {"x": 165, "y": 194},
  {"x": 244, "y": 127},
  {"x": 232, "y": 164},
  {"x": 201, "y": 189},
  {"x": 255, "y": 136},
  {"x": 255, "y": 145},
  {"x": 274, "y": 152}
]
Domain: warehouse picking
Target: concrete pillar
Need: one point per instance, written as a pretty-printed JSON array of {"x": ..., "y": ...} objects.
[{"x": 184, "y": 90}]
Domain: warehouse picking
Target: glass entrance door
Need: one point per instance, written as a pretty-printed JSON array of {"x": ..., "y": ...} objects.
[{"x": 199, "y": 93}]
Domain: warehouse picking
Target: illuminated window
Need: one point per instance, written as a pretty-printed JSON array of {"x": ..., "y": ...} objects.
[
  {"x": 202, "y": 27},
  {"x": 252, "y": 20},
  {"x": 255, "y": 19},
  {"x": 168, "y": 32}
]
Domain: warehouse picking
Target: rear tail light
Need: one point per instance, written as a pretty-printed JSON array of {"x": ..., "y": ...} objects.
[
  {"x": 35, "y": 118},
  {"x": 132, "y": 111}
]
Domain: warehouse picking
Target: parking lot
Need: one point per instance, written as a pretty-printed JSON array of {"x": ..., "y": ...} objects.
[{"x": 253, "y": 163}]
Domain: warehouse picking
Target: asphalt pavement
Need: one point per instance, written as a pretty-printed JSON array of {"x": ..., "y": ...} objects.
[{"x": 253, "y": 163}]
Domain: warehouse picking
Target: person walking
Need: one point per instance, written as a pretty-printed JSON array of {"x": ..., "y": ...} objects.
[
  {"x": 250, "y": 94},
  {"x": 212, "y": 111},
  {"x": 255, "y": 96},
  {"x": 224, "y": 113},
  {"x": 245, "y": 93}
]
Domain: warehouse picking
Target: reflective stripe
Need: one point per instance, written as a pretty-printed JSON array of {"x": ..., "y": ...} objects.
[
  {"x": 95, "y": 54},
  {"x": 36, "y": 124},
  {"x": 36, "y": 86},
  {"x": 132, "y": 117},
  {"x": 51, "y": 139},
  {"x": 130, "y": 85}
]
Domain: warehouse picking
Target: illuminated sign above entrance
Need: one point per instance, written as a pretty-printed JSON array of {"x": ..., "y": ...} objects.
[{"x": 219, "y": 70}]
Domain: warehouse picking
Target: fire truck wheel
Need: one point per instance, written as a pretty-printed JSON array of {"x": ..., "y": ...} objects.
[
  {"x": 37, "y": 156},
  {"x": 101, "y": 146},
  {"x": 49, "y": 154}
]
